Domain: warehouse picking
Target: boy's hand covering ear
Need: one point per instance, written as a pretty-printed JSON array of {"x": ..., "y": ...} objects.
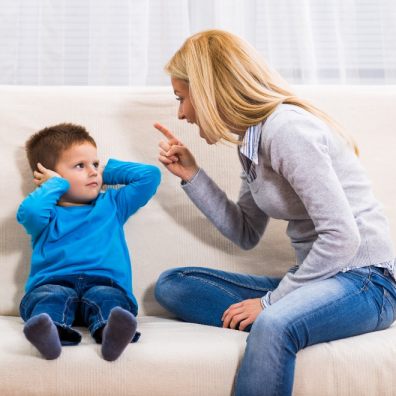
[{"x": 43, "y": 174}]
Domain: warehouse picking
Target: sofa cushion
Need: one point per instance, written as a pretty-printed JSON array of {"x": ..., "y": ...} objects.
[
  {"x": 173, "y": 358},
  {"x": 170, "y": 359}
]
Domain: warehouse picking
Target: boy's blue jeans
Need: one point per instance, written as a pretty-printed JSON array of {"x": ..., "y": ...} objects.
[
  {"x": 77, "y": 299},
  {"x": 350, "y": 303}
]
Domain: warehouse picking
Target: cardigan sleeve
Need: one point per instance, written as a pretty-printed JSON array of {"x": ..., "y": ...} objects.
[{"x": 241, "y": 222}]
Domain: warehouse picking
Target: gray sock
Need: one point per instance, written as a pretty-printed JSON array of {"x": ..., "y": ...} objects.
[
  {"x": 41, "y": 331},
  {"x": 118, "y": 333}
]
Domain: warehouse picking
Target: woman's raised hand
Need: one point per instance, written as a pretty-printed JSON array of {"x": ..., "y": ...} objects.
[{"x": 176, "y": 157}]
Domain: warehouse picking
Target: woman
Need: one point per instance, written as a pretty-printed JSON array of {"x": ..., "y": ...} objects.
[{"x": 297, "y": 166}]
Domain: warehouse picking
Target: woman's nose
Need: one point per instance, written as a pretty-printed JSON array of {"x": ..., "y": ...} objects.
[{"x": 180, "y": 114}]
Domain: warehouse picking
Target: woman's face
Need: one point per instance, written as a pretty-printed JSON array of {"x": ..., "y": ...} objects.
[{"x": 186, "y": 109}]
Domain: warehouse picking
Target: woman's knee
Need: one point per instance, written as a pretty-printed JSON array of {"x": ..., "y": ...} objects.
[
  {"x": 165, "y": 285},
  {"x": 271, "y": 326},
  {"x": 283, "y": 330}
]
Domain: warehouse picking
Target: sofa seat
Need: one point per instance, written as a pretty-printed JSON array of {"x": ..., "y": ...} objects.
[
  {"x": 174, "y": 358},
  {"x": 170, "y": 358}
]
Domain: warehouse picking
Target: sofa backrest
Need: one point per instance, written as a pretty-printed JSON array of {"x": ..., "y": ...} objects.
[{"x": 170, "y": 231}]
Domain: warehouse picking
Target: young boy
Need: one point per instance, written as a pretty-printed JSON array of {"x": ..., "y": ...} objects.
[{"x": 80, "y": 267}]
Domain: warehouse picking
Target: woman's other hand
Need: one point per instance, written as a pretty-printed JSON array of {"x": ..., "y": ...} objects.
[{"x": 240, "y": 315}]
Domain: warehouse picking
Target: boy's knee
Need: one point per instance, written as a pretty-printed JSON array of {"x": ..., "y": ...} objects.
[
  {"x": 103, "y": 291},
  {"x": 52, "y": 291}
]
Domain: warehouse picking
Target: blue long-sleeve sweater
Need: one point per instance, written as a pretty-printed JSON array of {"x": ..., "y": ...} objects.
[{"x": 86, "y": 239}]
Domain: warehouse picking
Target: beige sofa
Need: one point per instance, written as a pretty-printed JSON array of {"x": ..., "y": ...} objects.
[{"x": 174, "y": 358}]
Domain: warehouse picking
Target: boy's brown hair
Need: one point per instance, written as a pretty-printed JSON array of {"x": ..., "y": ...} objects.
[{"x": 47, "y": 145}]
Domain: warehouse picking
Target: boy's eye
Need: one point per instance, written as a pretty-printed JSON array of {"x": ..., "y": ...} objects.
[
  {"x": 80, "y": 166},
  {"x": 96, "y": 165}
]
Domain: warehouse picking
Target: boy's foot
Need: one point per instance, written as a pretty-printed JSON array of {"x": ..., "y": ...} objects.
[
  {"x": 118, "y": 333},
  {"x": 41, "y": 331}
]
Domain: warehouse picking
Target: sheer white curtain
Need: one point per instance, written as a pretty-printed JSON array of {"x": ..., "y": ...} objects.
[{"x": 127, "y": 42}]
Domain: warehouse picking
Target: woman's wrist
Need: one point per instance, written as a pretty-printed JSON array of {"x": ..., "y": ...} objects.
[{"x": 191, "y": 175}]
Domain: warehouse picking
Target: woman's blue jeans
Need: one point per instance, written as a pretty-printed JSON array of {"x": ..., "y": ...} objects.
[{"x": 350, "y": 303}]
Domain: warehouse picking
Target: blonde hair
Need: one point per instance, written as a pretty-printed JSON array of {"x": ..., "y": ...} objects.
[{"x": 231, "y": 87}]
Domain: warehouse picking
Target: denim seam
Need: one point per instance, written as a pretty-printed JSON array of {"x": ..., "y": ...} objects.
[
  {"x": 238, "y": 298},
  {"x": 368, "y": 280},
  {"x": 68, "y": 301},
  {"x": 281, "y": 373},
  {"x": 188, "y": 272},
  {"x": 94, "y": 326},
  {"x": 384, "y": 296}
]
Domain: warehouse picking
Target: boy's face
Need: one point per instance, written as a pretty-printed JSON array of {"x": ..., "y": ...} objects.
[{"x": 79, "y": 164}]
